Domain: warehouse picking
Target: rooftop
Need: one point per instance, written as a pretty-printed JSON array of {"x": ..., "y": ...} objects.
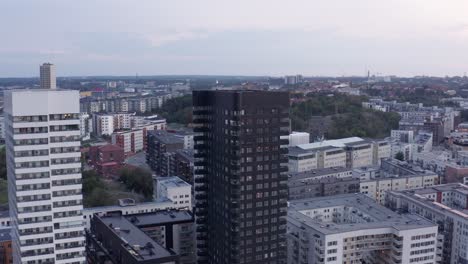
[
  {"x": 136, "y": 242},
  {"x": 161, "y": 202},
  {"x": 421, "y": 196},
  {"x": 160, "y": 218},
  {"x": 5, "y": 234},
  {"x": 4, "y": 214},
  {"x": 167, "y": 137},
  {"x": 316, "y": 173},
  {"x": 339, "y": 143},
  {"x": 360, "y": 213},
  {"x": 172, "y": 181}
]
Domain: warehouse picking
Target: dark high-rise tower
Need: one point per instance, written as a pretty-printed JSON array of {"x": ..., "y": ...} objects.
[{"x": 240, "y": 180}]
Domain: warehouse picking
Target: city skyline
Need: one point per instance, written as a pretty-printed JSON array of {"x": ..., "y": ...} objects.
[{"x": 312, "y": 38}]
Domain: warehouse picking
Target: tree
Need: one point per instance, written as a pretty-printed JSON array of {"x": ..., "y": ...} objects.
[
  {"x": 138, "y": 180},
  {"x": 400, "y": 156},
  {"x": 3, "y": 170},
  {"x": 177, "y": 110}
]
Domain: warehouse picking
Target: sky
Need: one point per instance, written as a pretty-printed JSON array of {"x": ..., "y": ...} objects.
[{"x": 241, "y": 37}]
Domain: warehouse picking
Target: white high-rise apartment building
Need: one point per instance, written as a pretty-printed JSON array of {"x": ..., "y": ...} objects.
[
  {"x": 48, "y": 80},
  {"x": 44, "y": 176}
]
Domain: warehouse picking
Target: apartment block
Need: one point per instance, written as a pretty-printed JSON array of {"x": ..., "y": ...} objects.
[
  {"x": 47, "y": 76},
  {"x": 322, "y": 182},
  {"x": 351, "y": 152},
  {"x": 240, "y": 175},
  {"x": 444, "y": 205},
  {"x": 162, "y": 146},
  {"x": 114, "y": 239},
  {"x": 175, "y": 189},
  {"x": 44, "y": 176},
  {"x": 352, "y": 228},
  {"x": 393, "y": 175}
]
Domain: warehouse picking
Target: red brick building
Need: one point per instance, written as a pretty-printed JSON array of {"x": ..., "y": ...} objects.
[
  {"x": 107, "y": 159},
  {"x": 5, "y": 246}
]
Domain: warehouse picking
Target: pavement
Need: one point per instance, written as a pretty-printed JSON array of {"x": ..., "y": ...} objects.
[{"x": 138, "y": 160}]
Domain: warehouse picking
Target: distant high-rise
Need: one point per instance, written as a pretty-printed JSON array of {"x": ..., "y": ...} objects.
[
  {"x": 44, "y": 176},
  {"x": 240, "y": 180},
  {"x": 48, "y": 80}
]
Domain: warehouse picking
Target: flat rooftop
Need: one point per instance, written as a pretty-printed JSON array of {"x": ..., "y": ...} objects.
[
  {"x": 5, "y": 234},
  {"x": 167, "y": 137},
  {"x": 421, "y": 196},
  {"x": 4, "y": 214},
  {"x": 139, "y": 244},
  {"x": 160, "y": 218},
  {"x": 162, "y": 202},
  {"x": 338, "y": 143},
  {"x": 372, "y": 215},
  {"x": 317, "y": 173},
  {"x": 172, "y": 181}
]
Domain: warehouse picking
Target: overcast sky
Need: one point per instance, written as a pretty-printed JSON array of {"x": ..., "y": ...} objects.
[{"x": 235, "y": 37}]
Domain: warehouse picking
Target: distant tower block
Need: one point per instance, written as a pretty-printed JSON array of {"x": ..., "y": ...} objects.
[{"x": 48, "y": 79}]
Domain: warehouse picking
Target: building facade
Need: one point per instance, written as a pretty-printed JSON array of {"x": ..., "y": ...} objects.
[
  {"x": 44, "y": 175},
  {"x": 175, "y": 189},
  {"x": 240, "y": 175},
  {"x": 351, "y": 228},
  {"x": 444, "y": 205},
  {"x": 47, "y": 76}
]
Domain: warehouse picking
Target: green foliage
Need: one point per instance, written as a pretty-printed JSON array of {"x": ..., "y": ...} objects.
[
  {"x": 95, "y": 192},
  {"x": 177, "y": 110},
  {"x": 400, "y": 156},
  {"x": 324, "y": 105},
  {"x": 3, "y": 170},
  {"x": 347, "y": 116},
  {"x": 372, "y": 124},
  {"x": 138, "y": 180},
  {"x": 3, "y": 191}
]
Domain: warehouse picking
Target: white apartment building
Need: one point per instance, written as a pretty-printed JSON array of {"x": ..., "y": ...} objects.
[
  {"x": 351, "y": 152},
  {"x": 352, "y": 228},
  {"x": 2, "y": 127},
  {"x": 47, "y": 75},
  {"x": 377, "y": 189},
  {"x": 174, "y": 189},
  {"x": 392, "y": 175},
  {"x": 406, "y": 136},
  {"x": 444, "y": 205},
  {"x": 298, "y": 138},
  {"x": 86, "y": 126},
  {"x": 104, "y": 124},
  {"x": 44, "y": 176}
]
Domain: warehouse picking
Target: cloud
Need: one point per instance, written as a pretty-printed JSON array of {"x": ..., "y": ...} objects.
[
  {"x": 51, "y": 52},
  {"x": 160, "y": 39}
]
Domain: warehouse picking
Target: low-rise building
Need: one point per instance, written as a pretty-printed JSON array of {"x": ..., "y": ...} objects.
[
  {"x": 174, "y": 229},
  {"x": 352, "y": 228},
  {"x": 444, "y": 205},
  {"x": 107, "y": 159},
  {"x": 162, "y": 146},
  {"x": 322, "y": 182},
  {"x": 86, "y": 126},
  {"x": 175, "y": 189},
  {"x": 393, "y": 175},
  {"x": 128, "y": 206},
  {"x": 6, "y": 253},
  {"x": 298, "y": 138},
  {"x": 351, "y": 152},
  {"x": 115, "y": 239}
]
